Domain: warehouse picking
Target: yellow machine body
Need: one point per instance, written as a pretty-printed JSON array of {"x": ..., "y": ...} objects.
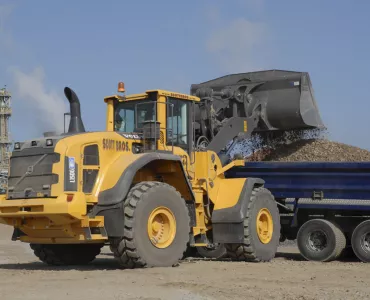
[{"x": 64, "y": 216}]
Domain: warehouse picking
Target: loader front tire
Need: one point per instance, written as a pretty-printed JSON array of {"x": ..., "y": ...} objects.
[
  {"x": 261, "y": 229},
  {"x": 66, "y": 254},
  {"x": 157, "y": 227}
]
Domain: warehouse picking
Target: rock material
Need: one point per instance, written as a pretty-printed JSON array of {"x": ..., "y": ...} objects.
[{"x": 312, "y": 150}]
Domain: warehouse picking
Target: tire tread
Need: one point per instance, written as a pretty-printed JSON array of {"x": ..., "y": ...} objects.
[
  {"x": 126, "y": 253},
  {"x": 247, "y": 251},
  {"x": 339, "y": 239},
  {"x": 64, "y": 255}
]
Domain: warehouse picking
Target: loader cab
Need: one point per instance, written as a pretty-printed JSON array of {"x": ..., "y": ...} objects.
[{"x": 161, "y": 119}]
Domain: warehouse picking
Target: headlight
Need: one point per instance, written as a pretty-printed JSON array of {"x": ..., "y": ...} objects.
[
  {"x": 17, "y": 146},
  {"x": 49, "y": 142},
  {"x": 136, "y": 148}
]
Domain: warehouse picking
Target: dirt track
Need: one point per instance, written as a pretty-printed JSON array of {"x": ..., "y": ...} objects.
[{"x": 287, "y": 277}]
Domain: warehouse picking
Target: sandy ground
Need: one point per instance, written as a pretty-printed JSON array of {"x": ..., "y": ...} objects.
[{"x": 286, "y": 277}]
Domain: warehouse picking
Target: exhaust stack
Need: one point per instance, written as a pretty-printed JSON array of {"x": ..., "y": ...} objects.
[{"x": 75, "y": 124}]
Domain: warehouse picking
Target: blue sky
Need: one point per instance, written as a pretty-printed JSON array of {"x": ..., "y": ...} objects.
[{"x": 91, "y": 45}]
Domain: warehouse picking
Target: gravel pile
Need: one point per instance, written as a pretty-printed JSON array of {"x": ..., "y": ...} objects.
[{"x": 312, "y": 150}]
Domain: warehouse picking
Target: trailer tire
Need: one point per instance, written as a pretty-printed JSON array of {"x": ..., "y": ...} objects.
[
  {"x": 360, "y": 241},
  {"x": 255, "y": 248},
  {"x": 320, "y": 240},
  {"x": 157, "y": 227},
  {"x": 67, "y": 254}
]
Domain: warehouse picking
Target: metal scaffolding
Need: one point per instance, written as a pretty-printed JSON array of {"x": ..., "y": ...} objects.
[{"x": 5, "y": 140}]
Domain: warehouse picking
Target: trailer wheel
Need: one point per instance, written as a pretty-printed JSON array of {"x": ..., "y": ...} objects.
[
  {"x": 216, "y": 251},
  {"x": 361, "y": 241},
  {"x": 157, "y": 227},
  {"x": 320, "y": 240},
  {"x": 64, "y": 255},
  {"x": 261, "y": 229}
]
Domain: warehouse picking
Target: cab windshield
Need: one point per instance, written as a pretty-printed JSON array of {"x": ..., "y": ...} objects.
[{"x": 129, "y": 116}]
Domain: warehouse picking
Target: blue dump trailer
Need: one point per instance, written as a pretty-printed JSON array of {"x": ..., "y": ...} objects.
[{"x": 325, "y": 206}]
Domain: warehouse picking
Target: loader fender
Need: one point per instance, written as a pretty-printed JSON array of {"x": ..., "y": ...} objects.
[
  {"x": 228, "y": 222},
  {"x": 237, "y": 213},
  {"x": 119, "y": 192},
  {"x": 110, "y": 201}
]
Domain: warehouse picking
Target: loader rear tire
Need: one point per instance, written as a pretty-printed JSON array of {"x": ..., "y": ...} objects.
[
  {"x": 157, "y": 227},
  {"x": 261, "y": 229},
  {"x": 66, "y": 254}
]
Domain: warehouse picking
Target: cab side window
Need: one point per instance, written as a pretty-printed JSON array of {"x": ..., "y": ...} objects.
[{"x": 177, "y": 123}]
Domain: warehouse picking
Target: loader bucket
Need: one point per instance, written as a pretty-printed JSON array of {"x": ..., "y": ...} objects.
[{"x": 283, "y": 100}]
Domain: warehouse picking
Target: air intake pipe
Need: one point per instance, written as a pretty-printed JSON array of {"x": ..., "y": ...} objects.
[{"x": 75, "y": 124}]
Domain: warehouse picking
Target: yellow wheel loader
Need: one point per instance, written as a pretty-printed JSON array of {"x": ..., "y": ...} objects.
[{"x": 153, "y": 183}]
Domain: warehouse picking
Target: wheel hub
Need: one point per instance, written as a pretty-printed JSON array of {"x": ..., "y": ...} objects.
[
  {"x": 265, "y": 226},
  {"x": 317, "y": 240},
  {"x": 365, "y": 242},
  {"x": 161, "y": 227}
]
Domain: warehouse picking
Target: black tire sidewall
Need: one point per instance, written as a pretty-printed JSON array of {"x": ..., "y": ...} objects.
[
  {"x": 359, "y": 231},
  {"x": 302, "y": 240},
  {"x": 153, "y": 198},
  {"x": 264, "y": 200},
  {"x": 218, "y": 252},
  {"x": 66, "y": 254}
]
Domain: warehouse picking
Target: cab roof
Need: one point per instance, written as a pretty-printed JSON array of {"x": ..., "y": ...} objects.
[{"x": 145, "y": 95}]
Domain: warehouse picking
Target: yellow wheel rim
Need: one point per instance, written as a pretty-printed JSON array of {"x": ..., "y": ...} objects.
[
  {"x": 161, "y": 227},
  {"x": 265, "y": 225}
]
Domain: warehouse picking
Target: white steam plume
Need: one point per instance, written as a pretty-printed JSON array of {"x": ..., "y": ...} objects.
[
  {"x": 48, "y": 105},
  {"x": 6, "y": 39},
  {"x": 235, "y": 45}
]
